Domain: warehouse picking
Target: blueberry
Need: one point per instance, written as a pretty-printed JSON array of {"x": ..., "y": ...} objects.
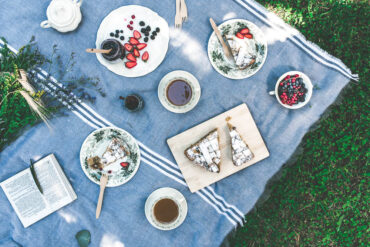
[
  {"x": 121, "y": 38},
  {"x": 142, "y": 23},
  {"x": 157, "y": 29},
  {"x": 111, "y": 34},
  {"x": 121, "y": 31},
  {"x": 152, "y": 37},
  {"x": 154, "y": 33},
  {"x": 148, "y": 28},
  {"x": 146, "y": 34},
  {"x": 117, "y": 31},
  {"x": 116, "y": 35},
  {"x": 146, "y": 39},
  {"x": 143, "y": 30}
]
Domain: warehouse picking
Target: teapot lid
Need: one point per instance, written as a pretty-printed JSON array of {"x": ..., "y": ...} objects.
[{"x": 61, "y": 12}]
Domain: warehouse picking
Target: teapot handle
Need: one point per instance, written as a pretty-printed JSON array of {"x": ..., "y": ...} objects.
[
  {"x": 78, "y": 2},
  {"x": 45, "y": 24}
]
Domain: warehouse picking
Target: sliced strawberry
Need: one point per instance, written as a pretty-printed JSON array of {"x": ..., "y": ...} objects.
[
  {"x": 124, "y": 164},
  {"x": 141, "y": 46},
  {"x": 131, "y": 57},
  {"x": 128, "y": 47},
  {"x": 249, "y": 36},
  {"x": 130, "y": 64},
  {"x": 136, "y": 53},
  {"x": 239, "y": 35},
  {"x": 137, "y": 35},
  {"x": 244, "y": 31},
  {"x": 145, "y": 56},
  {"x": 133, "y": 41}
]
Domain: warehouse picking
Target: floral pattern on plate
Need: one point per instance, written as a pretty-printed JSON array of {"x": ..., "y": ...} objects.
[
  {"x": 219, "y": 61},
  {"x": 96, "y": 144}
]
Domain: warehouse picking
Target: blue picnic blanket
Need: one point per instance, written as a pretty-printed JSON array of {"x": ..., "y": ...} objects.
[{"x": 213, "y": 211}]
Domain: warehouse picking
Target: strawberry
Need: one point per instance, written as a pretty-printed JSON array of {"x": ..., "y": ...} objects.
[
  {"x": 128, "y": 47},
  {"x": 137, "y": 35},
  {"x": 133, "y": 41},
  {"x": 145, "y": 56},
  {"x": 141, "y": 46},
  {"x": 244, "y": 31},
  {"x": 239, "y": 35},
  {"x": 130, "y": 65},
  {"x": 124, "y": 164},
  {"x": 248, "y": 36},
  {"x": 131, "y": 57},
  {"x": 136, "y": 53}
]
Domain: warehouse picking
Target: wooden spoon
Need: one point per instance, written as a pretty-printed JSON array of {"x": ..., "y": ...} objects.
[
  {"x": 225, "y": 47},
  {"x": 93, "y": 50},
  {"x": 103, "y": 183}
]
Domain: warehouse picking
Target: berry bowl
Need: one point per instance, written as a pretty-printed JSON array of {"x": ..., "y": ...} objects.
[{"x": 293, "y": 90}]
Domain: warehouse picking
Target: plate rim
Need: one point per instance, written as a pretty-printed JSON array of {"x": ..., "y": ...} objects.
[
  {"x": 215, "y": 67},
  {"x": 138, "y": 158}
]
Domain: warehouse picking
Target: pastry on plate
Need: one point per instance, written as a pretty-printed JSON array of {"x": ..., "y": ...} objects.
[
  {"x": 243, "y": 51},
  {"x": 206, "y": 152},
  {"x": 240, "y": 150},
  {"x": 115, "y": 151}
]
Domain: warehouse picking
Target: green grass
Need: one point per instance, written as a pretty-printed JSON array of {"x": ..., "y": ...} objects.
[{"x": 321, "y": 199}]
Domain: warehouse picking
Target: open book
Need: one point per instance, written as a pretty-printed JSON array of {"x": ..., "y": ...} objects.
[{"x": 28, "y": 202}]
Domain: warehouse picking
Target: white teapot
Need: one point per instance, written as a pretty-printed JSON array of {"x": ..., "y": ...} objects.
[{"x": 63, "y": 15}]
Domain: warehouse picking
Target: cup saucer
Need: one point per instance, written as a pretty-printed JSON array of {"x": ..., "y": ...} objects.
[
  {"x": 179, "y": 75},
  {"x": 163, "y": 193}
]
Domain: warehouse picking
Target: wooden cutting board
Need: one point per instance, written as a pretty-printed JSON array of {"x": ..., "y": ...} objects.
[{"x": 197, "y": 177}]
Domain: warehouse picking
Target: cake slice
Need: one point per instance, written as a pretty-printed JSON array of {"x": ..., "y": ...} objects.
[
  {"x": 206, "y": 152},
  {"x": 243, "y": 51},
  {"x": 114, "y": 152},
  {"x": 240, "y": 150}
]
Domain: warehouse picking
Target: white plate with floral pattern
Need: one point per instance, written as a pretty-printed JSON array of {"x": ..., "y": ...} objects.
[
  {"x": 219, "y": 61},
  {"x": 121, "y": 170}
]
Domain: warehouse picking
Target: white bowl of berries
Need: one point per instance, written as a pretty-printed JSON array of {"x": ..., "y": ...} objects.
[{"x": 293, "y": 90}]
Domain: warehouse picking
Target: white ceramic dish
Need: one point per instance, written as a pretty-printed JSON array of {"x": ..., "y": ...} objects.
[
  {"x": 63, "y": 15},
  {"x": 179, "y": 75},
  {"x": 306, "y": 81},
  {"x": 219, "y": 61},
  {"x": 96, "y": 143},
  {"x": 118, "y": 19},
  {"x": 163, "y": 193}
]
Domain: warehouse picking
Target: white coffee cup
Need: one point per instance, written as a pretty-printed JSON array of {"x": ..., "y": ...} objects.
[
  {"x": 166, "y": 193},
  {"x": 306, "y": 81},
  {"x": 63, "y": 15}
]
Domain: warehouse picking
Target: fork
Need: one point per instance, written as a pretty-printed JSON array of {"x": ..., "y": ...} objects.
[
  {"x": 184, "y": 11},
  {"x": 103, "y": 183},
  {"x": 178, "y": 21}
]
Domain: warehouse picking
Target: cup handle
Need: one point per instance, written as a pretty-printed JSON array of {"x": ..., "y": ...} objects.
[
  {"x": 78, "y": 2},
  {"x": 45, "y": 24},
  {"x": 272, "y": 93}
]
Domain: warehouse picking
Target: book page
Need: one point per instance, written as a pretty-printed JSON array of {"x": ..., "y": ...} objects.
[
  {"x": 25, "y": 197},
  {"x": 23, "y": 194}
]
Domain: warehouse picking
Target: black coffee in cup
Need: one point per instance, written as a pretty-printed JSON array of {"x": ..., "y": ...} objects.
[
  {"x": 179, "y": 92},
  {"x": 166, "y": 210}
]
